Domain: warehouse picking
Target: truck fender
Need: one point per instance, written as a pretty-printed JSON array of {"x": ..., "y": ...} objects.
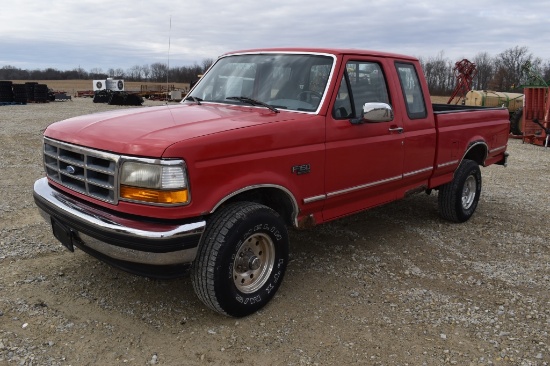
[
  {"x": 290, "y": 198},
  {"x": 477, "y": 151}
]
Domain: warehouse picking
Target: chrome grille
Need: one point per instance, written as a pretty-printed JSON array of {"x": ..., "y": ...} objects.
[{"x": 86, "y": 171}]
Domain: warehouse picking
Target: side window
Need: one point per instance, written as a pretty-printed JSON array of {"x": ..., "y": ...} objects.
[
  {"x": 363, "y": 82},
  {"x": 412, "y": 91},
  {"x": 342, "y": 106}
]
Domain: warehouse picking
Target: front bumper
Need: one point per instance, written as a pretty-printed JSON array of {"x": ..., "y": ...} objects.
[{"x": 135, "y": 244}]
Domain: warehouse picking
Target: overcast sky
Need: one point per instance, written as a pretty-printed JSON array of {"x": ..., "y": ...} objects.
[{"x": 119, "y": 34}]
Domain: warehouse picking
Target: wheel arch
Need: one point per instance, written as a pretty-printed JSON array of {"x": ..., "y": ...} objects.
[
  {"x": 477, "y": 151},
  {"x": 276, "y": 197}
]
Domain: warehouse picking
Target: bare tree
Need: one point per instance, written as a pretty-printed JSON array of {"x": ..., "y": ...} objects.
[
  {"x": 503, "y": 72},
  {"x": 546, "y": 71},
  {"x": 508, "y": 66},
  {"x": 206, "y": 63},
  {"x": 134, "y": 73},
  {"x": 97, "y": 73},
  {"x": 119, "y": 74},
  {"x": 146, "y": 71},
  {"x": 485, "y": 66},
  {"x": 437, "y": 72},
  {"x": 158, "y": 71}
]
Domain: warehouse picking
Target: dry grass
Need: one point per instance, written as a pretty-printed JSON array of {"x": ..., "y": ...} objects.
[
  {"x": 72, "y": 86},
  {"x": 439, "y": 100}
]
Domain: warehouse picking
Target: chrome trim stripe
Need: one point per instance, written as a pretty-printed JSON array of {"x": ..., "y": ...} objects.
[
  {"x": 80, "y": 149},
  {"x": 315, "y": 198},
  {"x": 363, "y": 186},
  {"x": 418, "y": 171},
  {"x": 497, "y": 149},
  {"x": 447, "y": 164},
  {"x": 136, "y": 256}
]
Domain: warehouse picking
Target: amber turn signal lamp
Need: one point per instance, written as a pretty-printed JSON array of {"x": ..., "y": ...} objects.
[{"x": 153, "y": 195}]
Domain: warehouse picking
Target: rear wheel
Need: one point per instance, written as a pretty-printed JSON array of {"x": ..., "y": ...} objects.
[
  {"x": 458, "y": 199},
  {"x": 241, "y": 260},
  {"x": 515, "y": 122}
]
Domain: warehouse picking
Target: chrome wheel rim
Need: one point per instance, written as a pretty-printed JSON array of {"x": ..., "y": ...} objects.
[
  {"x": 253, "y": 263},
  {"x": 469, "y": 192}
]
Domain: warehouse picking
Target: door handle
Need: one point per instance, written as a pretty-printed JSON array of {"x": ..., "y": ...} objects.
[{"x": 396, "y": 129}]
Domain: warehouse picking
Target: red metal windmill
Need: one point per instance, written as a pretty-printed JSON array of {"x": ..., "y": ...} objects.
[{"x": 464, "y": 71}]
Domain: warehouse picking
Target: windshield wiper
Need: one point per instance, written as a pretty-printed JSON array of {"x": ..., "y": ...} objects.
[
  {"x": 254, "y": 102},
  {"x": 194, "y": 99}
]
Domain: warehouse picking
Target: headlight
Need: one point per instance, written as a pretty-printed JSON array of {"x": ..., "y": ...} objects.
[{"x": 164, "y": 183}]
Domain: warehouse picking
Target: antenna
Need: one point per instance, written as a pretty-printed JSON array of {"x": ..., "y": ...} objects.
[{"x": 168, "y": 66}]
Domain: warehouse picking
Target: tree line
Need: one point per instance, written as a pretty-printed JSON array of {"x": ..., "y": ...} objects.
[
  {"x": 506, "y": 72},
  {"x": 156, "y": 72},
  {"x": 503, "y": 72}
]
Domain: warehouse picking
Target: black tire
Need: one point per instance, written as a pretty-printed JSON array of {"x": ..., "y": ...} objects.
[
  {"x": 515, "y": 122},
  {"x": 458, "y": 199},
  {"x": 241, "y": 260}
]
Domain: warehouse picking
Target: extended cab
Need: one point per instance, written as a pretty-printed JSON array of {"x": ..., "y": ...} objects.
[{"x": 265, "y": 140}]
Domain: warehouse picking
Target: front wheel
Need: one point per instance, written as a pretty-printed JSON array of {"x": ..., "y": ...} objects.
[
  {"x": 458, "y": 199},
  {"x": 241, "y": 260}
]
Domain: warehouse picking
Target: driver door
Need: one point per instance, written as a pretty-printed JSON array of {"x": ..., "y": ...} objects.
[{"x": 364, "y": 160}]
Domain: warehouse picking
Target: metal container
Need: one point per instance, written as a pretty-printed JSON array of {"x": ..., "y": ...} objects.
[
  {"x": 109, "y": 84},
  {"x": 489, "y": 98}
]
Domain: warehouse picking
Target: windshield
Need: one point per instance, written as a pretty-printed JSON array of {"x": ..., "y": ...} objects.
[{"x": 284, "y": 81}]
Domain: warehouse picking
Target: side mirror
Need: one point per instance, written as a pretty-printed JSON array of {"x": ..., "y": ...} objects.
[{"x": 374, "y": 113}]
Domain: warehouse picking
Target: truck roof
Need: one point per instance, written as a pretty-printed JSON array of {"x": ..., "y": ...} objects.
[{"x": 331, "y": 51}]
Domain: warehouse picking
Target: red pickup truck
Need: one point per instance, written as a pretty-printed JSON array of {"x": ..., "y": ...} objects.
[{"x": 267, "y": 139}]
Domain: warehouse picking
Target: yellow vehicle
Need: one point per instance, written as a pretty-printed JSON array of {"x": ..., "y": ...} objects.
[{"x": 490, "y": 98}]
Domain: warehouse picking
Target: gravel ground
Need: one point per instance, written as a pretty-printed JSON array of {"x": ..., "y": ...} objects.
[{"x": 395, "y": 285}]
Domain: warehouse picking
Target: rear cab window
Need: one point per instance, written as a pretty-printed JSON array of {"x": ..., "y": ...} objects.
[{"x": 412, "y": 90}]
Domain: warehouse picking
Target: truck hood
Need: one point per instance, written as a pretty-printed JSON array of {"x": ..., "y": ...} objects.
[{"x": 149, "y": 131}]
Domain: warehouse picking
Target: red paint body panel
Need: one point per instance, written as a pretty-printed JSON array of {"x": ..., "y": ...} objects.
[
  {"x": 352, "y": 167},
  {"x": 149, "y": 131}
]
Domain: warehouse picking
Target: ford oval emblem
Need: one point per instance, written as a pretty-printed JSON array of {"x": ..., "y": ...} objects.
[{"x": 70, "y": 169}]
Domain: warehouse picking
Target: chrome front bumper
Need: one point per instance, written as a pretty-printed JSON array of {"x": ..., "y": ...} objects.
[{"x": 116, "y": 237}]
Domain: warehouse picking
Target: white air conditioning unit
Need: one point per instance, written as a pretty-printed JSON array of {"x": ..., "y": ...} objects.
[
  {"x": 109, "y": 84},
  {"x": 100, "y": 85},
  {"x": 115, "y": 84}
]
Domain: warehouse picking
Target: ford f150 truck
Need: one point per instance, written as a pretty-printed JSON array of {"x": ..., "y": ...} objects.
[{"x": 267, "y": 139}]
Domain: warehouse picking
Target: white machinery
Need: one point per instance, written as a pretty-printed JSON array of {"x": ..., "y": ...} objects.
[{"x": 109, "y": 84}]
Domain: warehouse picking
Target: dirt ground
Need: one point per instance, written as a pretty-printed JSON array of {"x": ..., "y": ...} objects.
[{"x": 396, "y": 285}]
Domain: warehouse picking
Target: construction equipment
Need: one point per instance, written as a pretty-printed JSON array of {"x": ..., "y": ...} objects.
[
  {"x": 546, "y": 131},
  {"x": 489, "y": 98},
  {"x": 464, "y": 71},
  {"x": 156, "y": 92},
  {"x": 117, "y": 97},
  {"x": 112, "y": 92},
  {"x": 535, "y": 125}
]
